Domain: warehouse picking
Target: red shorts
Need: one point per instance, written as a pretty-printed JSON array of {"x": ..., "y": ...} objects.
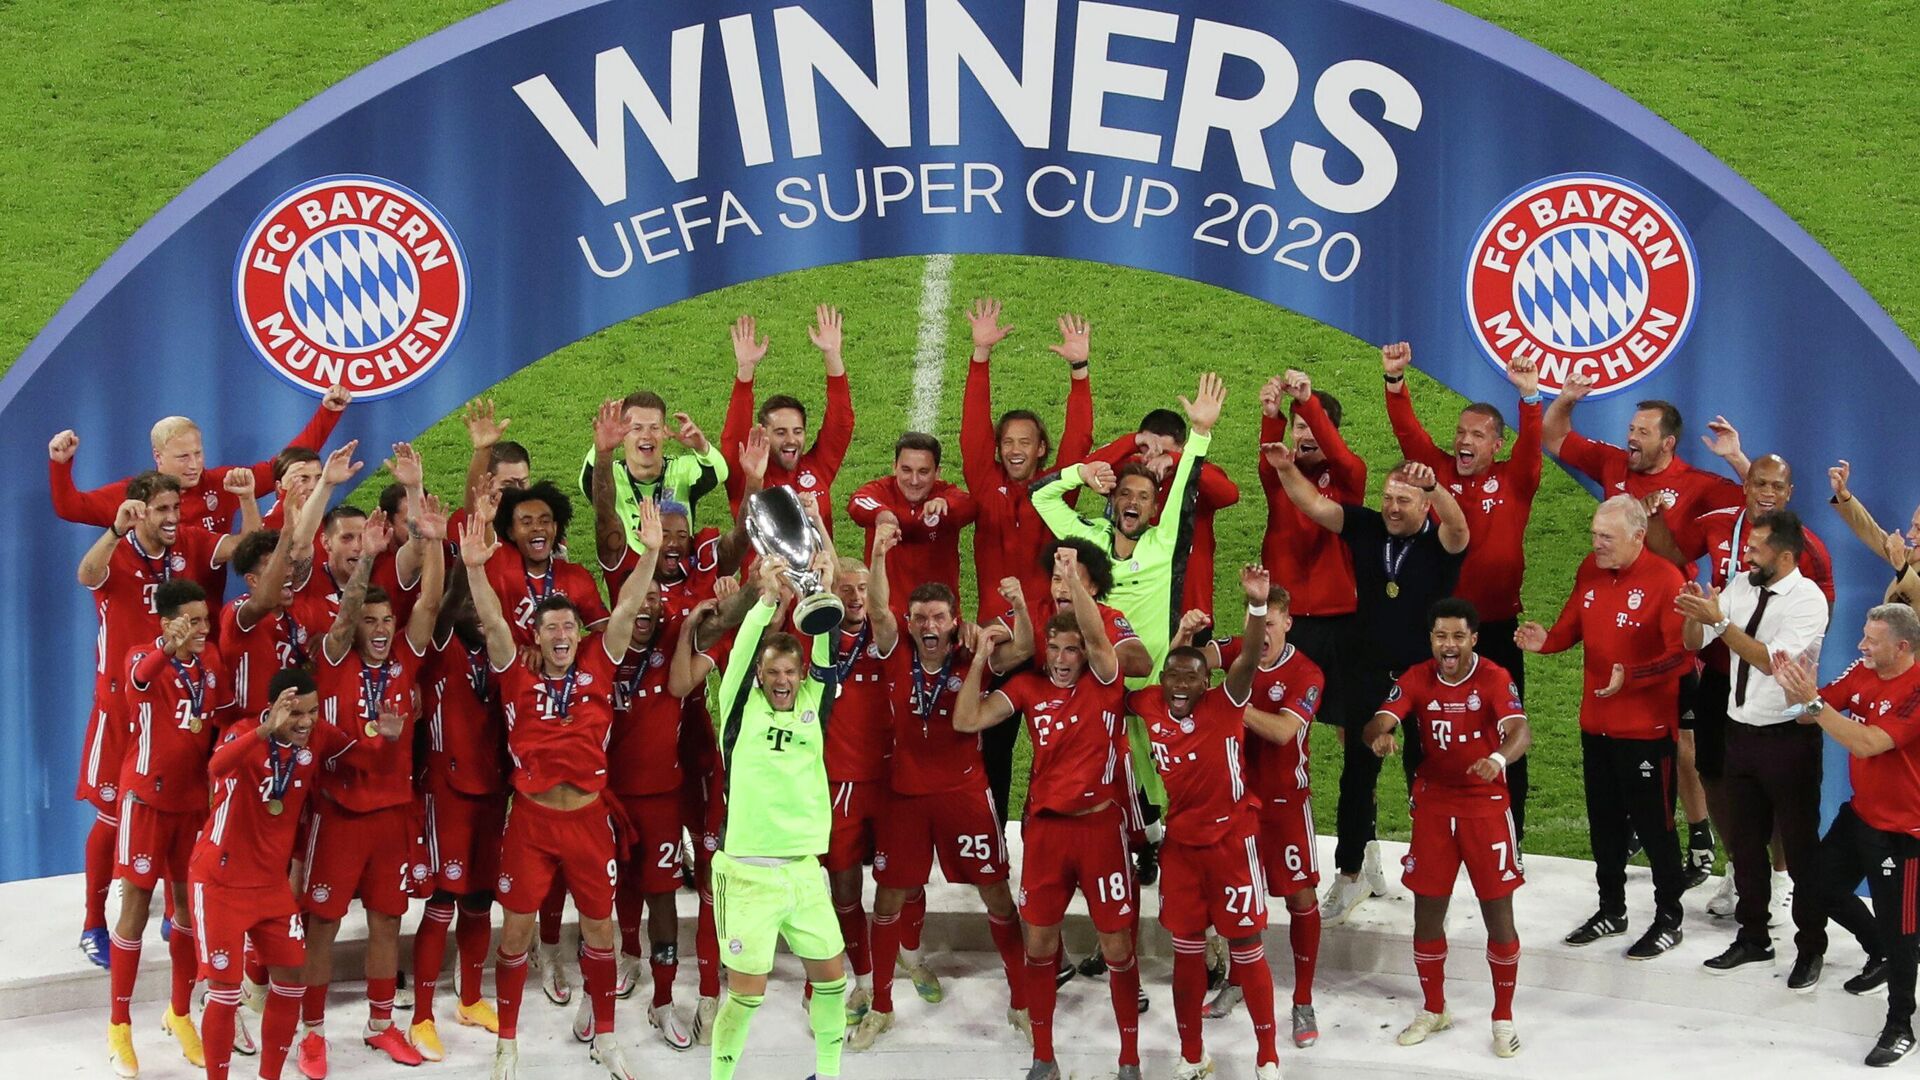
[
  {"x": 154, "y": 845},
  {"x": 100, "y": 755},
  {"x": 226, "y": 919},
  {"x": 1288, "y": 854},
  {"x": 703, "y": 806},
  {"x": 366, "y": 855},
  {"x": 958, "y": 826},
  {"x": 1487, "y": 846},
  {"x": 1088, "y": 852},
  {"x": 1220, "y": 883},
  {"x": 463, "y": 839},
  {"x": 655, "y": 861},
  {"x": 543, "y": 846},
  {"x": 857, "y": 811}
]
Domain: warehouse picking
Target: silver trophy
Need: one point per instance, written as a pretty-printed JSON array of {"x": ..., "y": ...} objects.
[{"x": 780, "y": 528}]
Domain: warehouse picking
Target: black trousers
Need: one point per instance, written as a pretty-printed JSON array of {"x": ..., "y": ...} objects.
[
  {"x": 1496, "y": 644},
  {"x": 1708, "y": 704},
  {"x": 1333, "y": 643},
  {"x": 1771, "y": 779},
  {"x": 1890, "y": 863},
  {"x": 1630, "y": 788}
]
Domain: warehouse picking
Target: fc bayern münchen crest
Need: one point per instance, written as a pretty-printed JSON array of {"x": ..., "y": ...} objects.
[
  {"x": 1583, "y": 273},
  {"x": 351, "y": 280}
]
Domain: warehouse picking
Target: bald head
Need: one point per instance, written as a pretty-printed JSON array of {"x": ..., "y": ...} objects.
[{"x": 1769, "y": 485}]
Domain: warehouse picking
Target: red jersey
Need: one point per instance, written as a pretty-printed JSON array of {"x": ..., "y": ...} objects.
[
  {"x": 1314, "y": 565},
  {"x": 280, "y": 639},
  {"x": 1008, "y": 535},
  {"x": 1117, "y": 627},
  {"x": 172, "y": 715},
  {"x": 465, "y": 746},
  {"x": 1457, "y": 724},
  {"x": 124, "y": 600},
  {"x": 646, "y": 719},
  {"x": 861, "y": 736},
  {"x": 930, "y": 757},
  {"x": 1720, "y": 535},
  {"x": 1216, "y": 493},
  {"x": 1496, "y": 503},
  {"x": 1200, "y": 759},
  {"x": 1278, "y": 771},
  {"x": 207, "y": 505},
  {"x": 320, "y": 593},
  {"x": 1626, "y": 616},
  {"x": 1689, "y": 492},
  {"x": 557, "y": 729},
  {"x": 929, "y": 548},
  {"x": 813, "y": 477},
  {"x": 1078, "y": 735},
  {"x": 520, "y": 590},
  {"x": 702, "y": 565},
  {"x": 245, "y": 844},
  {"x": 352, "y": 695},
  {"x": 1886, "y": 786}
]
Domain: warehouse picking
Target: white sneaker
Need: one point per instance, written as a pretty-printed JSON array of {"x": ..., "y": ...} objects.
[
  {"x": 612, "y": 1057},
  {"x": 871, "y": 1027},
  {"x": 673, "y": 1030},
  {"x": 583, "y": 1020},
  {"x": 242, "y": 1037},
  {"x": 1341, "y": 897},
  {"x": 1720, "y": 905},
  {"x": 1021, "y": 1021},
  {"x": 1269, "y": 1071},
  {"x": 253, "y": 996},
  {"x": 703, "y": 1015},
  {"x": 1194, "y": 1070},
  {"x": 1223, "y": 1003},
  {"x": 1424, "y": 1025},
  {"x": 1780, "y": 900},
  {"x": 627, "y": 977},
  {"x": 1506, "y": 1041},
  {"x": 506, "y": 1060},
  {"x": 553, "y": 975},
  {"x": 1371, "y": 870}
]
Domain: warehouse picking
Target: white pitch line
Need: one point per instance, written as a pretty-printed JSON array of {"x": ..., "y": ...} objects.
[{"x": 929, "y": 350}]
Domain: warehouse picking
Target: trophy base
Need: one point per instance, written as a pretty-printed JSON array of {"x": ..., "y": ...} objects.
[{"x": 818, "y": 614}]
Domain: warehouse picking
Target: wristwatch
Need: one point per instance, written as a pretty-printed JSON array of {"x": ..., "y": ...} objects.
[{"x": 1720, "y": 627}]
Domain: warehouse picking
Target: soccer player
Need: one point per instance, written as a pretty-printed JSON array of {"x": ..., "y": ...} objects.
[
  {"x": 1210, "y": 866},
  {"x": 928, "y": 512},
  {"x": 1465, "y": 711},
  {"x": 1075, "y": 831},
  {"x": 774, "y": 715},
  {"x": 263, "y": 773},
  {"x": 1873, "y": 836},
  {"x": 558, "y": 709},
  {"x": 527, "y": 567},
  {"x": 690, "y": 562},
  {"x": 650, "y": 475},
  {"x": 295, "y": 470},
  {"x": 1157, "y": 444},
  {"x": 1287, "y": 688},
  {"x": 174, "y": 686},
  {"x": 1497, "y": 499},
  {"x": 808, "y": 470},
  {"x": 144, "y": 547},
  {"x": 361, "y": 832},
  {"x": 1622, "y": 610},
  {"x": 939, "y": 802},
  {"x": 496, "y": 462}
]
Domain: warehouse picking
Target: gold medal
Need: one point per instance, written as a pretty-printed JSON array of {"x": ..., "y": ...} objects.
[
  {"x": 276, "y": 807},
  {"x": 195, "y": 725},
  {"x": 1393, "y": 589},
  {"x": 372, "y": 729}
]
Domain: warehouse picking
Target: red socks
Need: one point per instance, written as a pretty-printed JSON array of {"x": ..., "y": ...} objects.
[
  {"x": 1013, "y": 957},
  {"x": 124, "y": 957},
  {"x": 1303, "y": 934},
  {"x": 913, "y": 917},
  {"x": 1256, "y": 984},
  {"x": 379, "y": 999},
  {"x": 313, "y": 1005},
  {"x": 1190, "y": 994},
  {"x": 1040, "y": 998},
  {"x": 429, "y": 956},
  {"x": 886, "y": 954},
  {"x": 706, "y": 947},
  {"x": 630, "y": 906},
  {"x": 666, "y": 964},
  {"x": 599, "y": 972},
  {"x": 277, "y": 1023},
  {"x": 853, "y": 927},
  {"x": 1123, "y": 982},
  {"x": 472, "y": 934},
  {"x": 1504, "y": 958},
  {"x": 216, "y": 1029},
  {"x": 509, "y": 981},
  {"x": 1430, "y": 961},
  {"x": 100, "y": 841},
  {"x": 183, "y": 950}
]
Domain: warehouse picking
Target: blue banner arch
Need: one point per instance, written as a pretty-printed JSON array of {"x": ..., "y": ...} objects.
[{"x": 557, "y": 141}]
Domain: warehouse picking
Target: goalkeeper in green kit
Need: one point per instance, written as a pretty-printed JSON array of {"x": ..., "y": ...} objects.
[{"x": 768, "y": 882}]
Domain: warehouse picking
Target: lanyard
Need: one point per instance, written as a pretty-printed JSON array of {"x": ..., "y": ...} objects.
[
  {"x": 372, "y": 689},
  {"x": 196, "y": 690},
  {"x": 277, "y": 787},
  {"x": 294, "y": 634},
  {"x": 563, "y": 699},
  {"x": 159, "y": 569},
  {"x": 926, "y": 698},
  {"x": 640, "y": 667},
  {"x": 477, "y": 674},
  {"x": 546, "y": 582},
  {"x": 1733, "y": 551},
  {"x": 844, "y": 667}
]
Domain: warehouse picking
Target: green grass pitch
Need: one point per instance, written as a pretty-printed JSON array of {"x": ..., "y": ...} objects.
[{"x": 113, "y": 108}]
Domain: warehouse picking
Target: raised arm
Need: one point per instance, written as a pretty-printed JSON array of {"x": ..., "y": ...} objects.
[
  {"x": 1525, "y": 377},
  {"x": 1890, "y": 546},
  {"x": 1019, "y": 647},
  {"x": 732, "y": 550},
  {"x": 971, "y": 712},
  {"x": 99, "y": 558},
  {"x": 1415, "y": 443},
  {"x": 609, "y": 531},
  {"x": 1255, "y": 582},
  {"x": 633, "y": 593},
  {"x": 1050, "y": 502},
  {"x": 429, "y": 539},
  {"x": 977, "y": 446},
  {"x": 1076, "y": 435},
  {"x": 410, "y": 474},
  {"x": 880, "y": 616},
  {"x": 1319, "y": 509},
  {"x": 836, "y": 428},
  {"x": 1723, "y": 440},
  {"x": 484, "y": 429},
  {"x": 1453, "y": 522},
  {"x": 1102, "y": 660},
  {"x": 96, "y": 507},
  {"x": 688, "y": 669},
  {"x": 475, "y": 550},
  {"x": 353, "y": 594},
  {"x": 737, "y": 675}
]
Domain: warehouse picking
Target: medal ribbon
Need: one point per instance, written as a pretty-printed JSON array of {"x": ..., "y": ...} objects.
[
  {"x": 277, "y": 787},
  {"x": 196, "y": 690},
  {"x": 372, "y": 689},
  {"x": 563, "y": 699},
  {"x": 926, "y": 698},
  {"x": 844, "y": 668}
]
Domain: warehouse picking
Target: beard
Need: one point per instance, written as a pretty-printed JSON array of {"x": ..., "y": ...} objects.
[{"x": 1762, "y": 576}]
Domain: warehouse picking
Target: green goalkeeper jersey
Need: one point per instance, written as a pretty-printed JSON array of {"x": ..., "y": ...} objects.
[
  {"x": 778, "y": 801},
  {"x": 687, "y": 478},
  {"x": 1147, "y": 582}
]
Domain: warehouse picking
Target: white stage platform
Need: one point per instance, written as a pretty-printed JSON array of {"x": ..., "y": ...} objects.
[{"x": 1581, "y": 1012}]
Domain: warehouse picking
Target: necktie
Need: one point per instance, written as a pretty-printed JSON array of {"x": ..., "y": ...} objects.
[{"x": 1741, "y": 668}]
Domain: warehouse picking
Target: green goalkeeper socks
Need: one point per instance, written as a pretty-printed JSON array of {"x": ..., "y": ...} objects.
[
  {"x": 730, "y": 1032},
  {"x": 827, "y": 1011}
]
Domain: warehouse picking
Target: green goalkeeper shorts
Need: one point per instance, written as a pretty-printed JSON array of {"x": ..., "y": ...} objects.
[{"x": 754, "y": 905}]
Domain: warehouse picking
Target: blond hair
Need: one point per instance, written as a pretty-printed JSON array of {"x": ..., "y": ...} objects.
[{"x": 170, "y": 427}]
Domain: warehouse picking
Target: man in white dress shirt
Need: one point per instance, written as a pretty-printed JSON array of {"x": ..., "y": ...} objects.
[{"x": 1772, "y": 773}]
